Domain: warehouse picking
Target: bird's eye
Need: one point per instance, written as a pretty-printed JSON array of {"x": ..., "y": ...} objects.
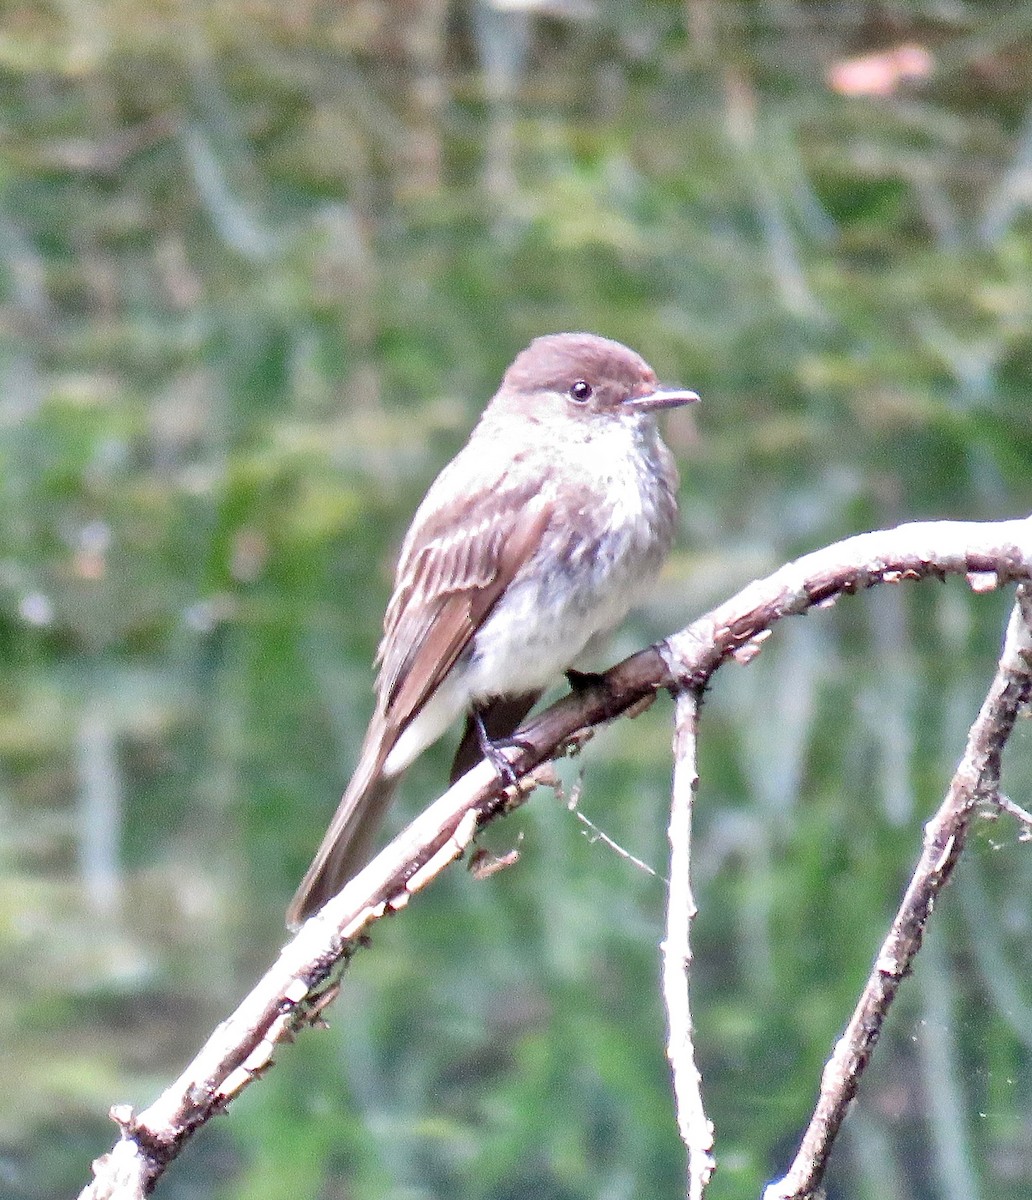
[{"x": 580, "y": 391}]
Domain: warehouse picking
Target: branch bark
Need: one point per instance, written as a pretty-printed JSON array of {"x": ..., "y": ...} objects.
[
  {"x": 976, "y": 779},
  {"x": 302, "y": 981},
  {"x": 695, "y": 1127}
]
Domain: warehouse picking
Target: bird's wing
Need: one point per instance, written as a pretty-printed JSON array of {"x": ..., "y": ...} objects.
[
  {"x": 457, "y": 561},
  {"x": 458, "y": 558}
]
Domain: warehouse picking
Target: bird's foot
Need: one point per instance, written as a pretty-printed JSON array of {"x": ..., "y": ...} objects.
[{"x": 492, "y": 751}]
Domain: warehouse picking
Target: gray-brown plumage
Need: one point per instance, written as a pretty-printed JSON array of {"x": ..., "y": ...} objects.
[{"x": 537, "y": 537}]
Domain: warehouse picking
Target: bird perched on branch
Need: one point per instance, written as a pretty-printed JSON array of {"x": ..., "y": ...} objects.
[{"x": 537, "y": 538}]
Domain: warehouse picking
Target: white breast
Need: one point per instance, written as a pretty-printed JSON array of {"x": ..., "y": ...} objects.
[{"x": 588, "y": 572}]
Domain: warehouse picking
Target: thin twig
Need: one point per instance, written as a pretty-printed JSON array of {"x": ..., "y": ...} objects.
[
  {"x": 1021, "y": 815},
  {"x": 596, "y": 834},
  {"x": 975, "y": 779},
  {"x": 695, "y": 1127}
]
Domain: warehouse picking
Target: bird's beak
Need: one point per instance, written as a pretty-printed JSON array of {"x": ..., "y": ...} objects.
[{"x": 662, "y": 398}]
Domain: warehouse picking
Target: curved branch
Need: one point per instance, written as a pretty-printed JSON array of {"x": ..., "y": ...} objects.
[{"x": 301, "y": 982}]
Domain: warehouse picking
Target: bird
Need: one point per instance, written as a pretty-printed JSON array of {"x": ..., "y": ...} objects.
[{"x": 531, "y": 545}]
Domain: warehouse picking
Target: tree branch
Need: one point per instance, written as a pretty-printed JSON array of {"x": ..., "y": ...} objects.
[
  {"x": 976, "y": 779},
  {"x": 301, "y": 982},
  {"x": 695, "y": 1127}
]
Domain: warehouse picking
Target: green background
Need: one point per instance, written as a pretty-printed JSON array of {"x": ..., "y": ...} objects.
[{"x": 261, "y": 266}]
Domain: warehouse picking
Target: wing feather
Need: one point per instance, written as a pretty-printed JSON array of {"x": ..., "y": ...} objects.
[{"x": 451, "y": 574}]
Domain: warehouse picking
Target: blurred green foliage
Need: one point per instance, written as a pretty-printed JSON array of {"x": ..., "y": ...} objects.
[{"x": 262, "y": 264}]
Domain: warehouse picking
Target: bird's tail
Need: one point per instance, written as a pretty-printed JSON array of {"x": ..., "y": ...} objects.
[{"x": 346, "y": 847}]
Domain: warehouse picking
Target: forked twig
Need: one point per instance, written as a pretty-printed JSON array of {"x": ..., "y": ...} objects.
[{"x": 301, "y": 983}]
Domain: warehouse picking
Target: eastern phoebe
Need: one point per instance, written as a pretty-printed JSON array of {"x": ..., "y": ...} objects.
[{"x": 536, "y": 539}]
